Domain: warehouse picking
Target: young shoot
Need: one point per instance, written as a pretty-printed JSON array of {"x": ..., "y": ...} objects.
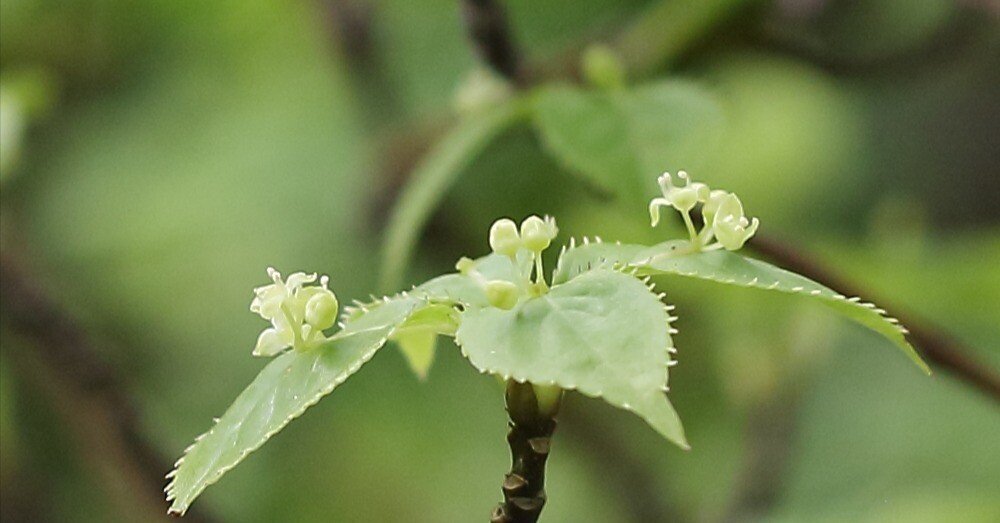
[{"x": 597, "y": 327}]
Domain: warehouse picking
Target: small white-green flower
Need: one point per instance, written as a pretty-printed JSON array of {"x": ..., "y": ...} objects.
[
  {"x": 298, "y": 313},
  {"x": 711, "y": 206},
  {"x": 538, "y": 233},
  {"x": 680, "y": 197},
  {"x": 730, "y": 225},
  {"x": 504, "y": 238}
]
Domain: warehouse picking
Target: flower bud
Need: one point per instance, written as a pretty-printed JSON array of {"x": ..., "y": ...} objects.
[
  {"x": 548, "y": 398},
  {"x": 464, "y": 264},
  {"x": 502, "y": 294},
  {"x": 321, "y": 310},
  {"x": 537, "y": 234},
  {"x": 504, "y": 238},
  {"x": 603, "y": 68},
  {"x": 479, "y": 90}
]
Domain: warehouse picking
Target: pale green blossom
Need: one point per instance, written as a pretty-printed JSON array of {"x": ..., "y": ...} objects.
[
  {"x": 730, "y": 225},
  {"x": 298, "y": 313},
  {"x": 504, "y": 238},
  {"x": 681, "y": 197},
  {"x": 722, "y": 213},
  {"x": 538, "y": 233}
]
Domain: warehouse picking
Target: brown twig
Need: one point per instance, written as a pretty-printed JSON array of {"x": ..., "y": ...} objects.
[
  {"x": 86, "y": 392},
  {"x": 966, "y": 29},
  {"x": 530, "y": 439},
  {"x": 936, "y": 345},
  {"x": 351, "y": 28},
  {"x": 768, "y": 437}
]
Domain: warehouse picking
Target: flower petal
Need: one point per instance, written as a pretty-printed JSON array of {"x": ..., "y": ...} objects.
[{"x": 272, "y": 341}]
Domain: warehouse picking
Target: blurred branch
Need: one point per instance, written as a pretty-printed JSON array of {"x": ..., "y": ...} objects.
[
  {"x": 669, "y": 29},
  {"x": 488, "y": 30},
  {"x": 656, "y": 38},
  {"x": 351, "y": 28},
  {"x": 85, "y": 392},
  {"x": 768, "y": 435},
  {"x": 935, "y": 344},
  {"x": 952, "y": 41}
]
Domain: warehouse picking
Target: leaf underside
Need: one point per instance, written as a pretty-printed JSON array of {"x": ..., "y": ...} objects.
[
  {"x": 284, "y": 389},
  {"x": 603, "y": 334}
]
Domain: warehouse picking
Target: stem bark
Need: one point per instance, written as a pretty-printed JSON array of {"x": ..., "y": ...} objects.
[{"x": 530, "y": 439}]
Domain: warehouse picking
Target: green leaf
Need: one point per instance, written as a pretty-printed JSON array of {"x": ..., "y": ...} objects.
[
  {"x": 603, "y": 333},
  {"x": 386, "y": 312},
  {"x": 459, "y": 288},
  {"x": 734, "y": 269},
  {"x": 455, "y": 287},
  {"x": 619, "y": 140},
  {"x": 417, "y": 335},
  {"x": 417, "y": 347},
  {"x": 287, "y": 386},
  {"x": 577, "y": 259},
  {"x": 587, "y": 133},
  {"x": 432, "y": 178}
]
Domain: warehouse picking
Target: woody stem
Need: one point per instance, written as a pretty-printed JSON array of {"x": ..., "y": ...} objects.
[{"x": 529, "y": 439}]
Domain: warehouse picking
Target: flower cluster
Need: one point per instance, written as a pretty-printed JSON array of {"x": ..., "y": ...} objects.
[
  {"x": 534, "y": 236},
  {"x": 721, "y": 211},
  {"x": 298, "y": 313}
]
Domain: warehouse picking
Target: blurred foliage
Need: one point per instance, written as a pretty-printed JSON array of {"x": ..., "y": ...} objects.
[{"x": 189, "y": 145}]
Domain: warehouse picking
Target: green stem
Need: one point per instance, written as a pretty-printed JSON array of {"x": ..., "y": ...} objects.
[
  {"x": 529, "y": 438},
  {"x": 689, "y": 223},
  {"x": 540, "y": 273},
  {"x": 297, "y": 341}
]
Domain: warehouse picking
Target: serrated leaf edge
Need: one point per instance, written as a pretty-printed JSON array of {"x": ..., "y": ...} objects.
[{"x": 170, "y": 491}]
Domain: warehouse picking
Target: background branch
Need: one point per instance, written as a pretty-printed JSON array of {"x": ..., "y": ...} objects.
[
  {"x": 351, "y": 29},
  {"x": 488, "y": 30},
  {"x": 86, "y": 393},
  {"x": 936, "y": 345},
  {"x": 768, "y": 440}
]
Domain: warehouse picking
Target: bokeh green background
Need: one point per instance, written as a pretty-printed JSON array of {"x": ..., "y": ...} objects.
[{"x": 159, "y": 155}]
